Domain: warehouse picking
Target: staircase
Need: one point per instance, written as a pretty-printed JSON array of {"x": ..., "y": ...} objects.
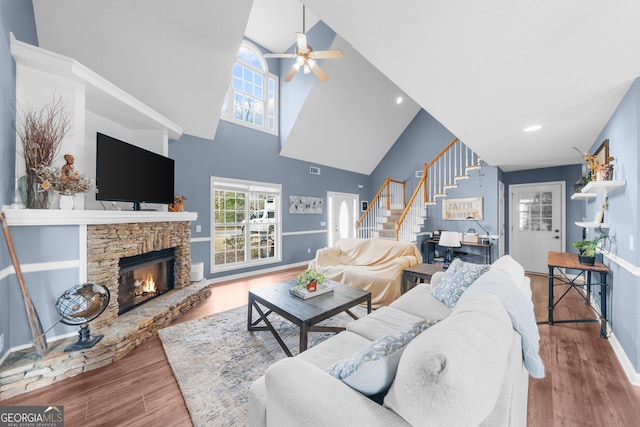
[
  {"x": 390, "y": 216},
  {"x": 388, "y": 226}
]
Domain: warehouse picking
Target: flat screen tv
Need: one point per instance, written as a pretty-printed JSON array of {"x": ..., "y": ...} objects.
[{"x": 126, "y": 173}]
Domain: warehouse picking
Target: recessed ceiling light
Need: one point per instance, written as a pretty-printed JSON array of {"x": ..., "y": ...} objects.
[
  {"x": 399, "y": 100},
  {"x": 533, "y": 128}
]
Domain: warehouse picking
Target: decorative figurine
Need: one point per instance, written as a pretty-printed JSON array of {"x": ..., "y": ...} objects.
[
  {"x": 67, "y": 169},
  {"x": 178, "y": 204}
]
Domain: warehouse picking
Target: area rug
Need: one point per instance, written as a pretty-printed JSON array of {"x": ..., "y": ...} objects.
[{"x": 215, "y": 360}]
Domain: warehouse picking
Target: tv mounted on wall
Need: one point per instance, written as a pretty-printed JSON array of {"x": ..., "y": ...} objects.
[{"x": 126, "y": 173}]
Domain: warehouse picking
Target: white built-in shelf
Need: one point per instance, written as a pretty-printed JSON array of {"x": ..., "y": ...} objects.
[
  {"x": 592, "y": 224},
  {"x": 83, "y": 217},
  {"x": 582, "y": 196},
  {"x": 602, "y": 186},
  {"x": 101, "y": 96}
]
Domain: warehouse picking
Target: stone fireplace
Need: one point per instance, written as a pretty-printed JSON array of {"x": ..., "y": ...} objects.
[
  {"x": 107, "y": 244},
  {"x": 157, "y": 239}
]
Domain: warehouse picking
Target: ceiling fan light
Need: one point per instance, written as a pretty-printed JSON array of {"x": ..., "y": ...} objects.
[
  {"x": 296, "y": 66},
  {"x": 299, "y": 60},
  {"x": 307, "y": 69},
  {"x": 311, "y": 62}
]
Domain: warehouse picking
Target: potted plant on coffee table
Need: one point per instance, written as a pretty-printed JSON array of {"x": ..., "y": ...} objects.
[
  {"x": 588, "y": 248},
  {"x": 310, "y": 280}
]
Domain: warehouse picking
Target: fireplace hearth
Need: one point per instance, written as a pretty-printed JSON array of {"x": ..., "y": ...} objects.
[{"x": 144, "y": 277}]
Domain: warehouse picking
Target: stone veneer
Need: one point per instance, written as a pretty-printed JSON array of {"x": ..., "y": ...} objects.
[
  {"x": 107, "y": 243},
  {"x": 25, "y": 371}
]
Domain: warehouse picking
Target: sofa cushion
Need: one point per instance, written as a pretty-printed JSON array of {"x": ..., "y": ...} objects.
[
  {"x": 334, "y": 349},
  {"x": 420, "y": 302},
  {"x": 382, "y": 322},
  {"x": 452, "y": 373},
  {"x": 458, "y": 277},
  {"x": 514, "y": 270},
  {"x": 372, "y": 369}
]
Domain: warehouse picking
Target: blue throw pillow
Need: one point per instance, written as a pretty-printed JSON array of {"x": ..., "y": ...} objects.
[
  {"x": 372, "y": 369},
  {"x": 458, "y": 277}
]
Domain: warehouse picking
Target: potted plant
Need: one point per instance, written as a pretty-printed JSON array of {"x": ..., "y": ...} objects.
[
  {"x": 41, "y": 133},
  {"x": 310, "y": 280},
  {"x": 588, "y": 248},
  {"x": 67, "y": 185}
]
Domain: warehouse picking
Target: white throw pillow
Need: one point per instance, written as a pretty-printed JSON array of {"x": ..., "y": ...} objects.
[
  {"x": 458, "y": 277},
  {"x": 372, "y": 369}
]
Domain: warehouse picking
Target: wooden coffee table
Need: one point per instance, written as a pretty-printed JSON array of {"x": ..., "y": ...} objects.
[{"x": 306, "y": 314}]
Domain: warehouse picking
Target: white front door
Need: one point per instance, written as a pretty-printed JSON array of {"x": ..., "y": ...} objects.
[
  {"x": 537, "y": 217},
  {"x": 342, "y": 215}
]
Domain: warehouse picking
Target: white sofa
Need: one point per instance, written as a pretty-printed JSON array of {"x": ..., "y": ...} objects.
[{"x": 466, "y": 370}]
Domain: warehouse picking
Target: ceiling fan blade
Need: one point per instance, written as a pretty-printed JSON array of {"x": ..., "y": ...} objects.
[
  {"x": 318, "y": 71},
  {"x": 279, "y": 55},
  {"x": 326, "y": 54},
  {"x": 292, "y": 72},
  {"x": 301, "y": 39}
]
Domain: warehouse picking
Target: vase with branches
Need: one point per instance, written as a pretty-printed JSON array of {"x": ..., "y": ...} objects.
[{"x": 41, "y": 133}]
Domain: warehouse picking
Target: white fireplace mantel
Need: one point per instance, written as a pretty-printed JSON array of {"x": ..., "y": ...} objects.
[{"x": 40, "y": 217}]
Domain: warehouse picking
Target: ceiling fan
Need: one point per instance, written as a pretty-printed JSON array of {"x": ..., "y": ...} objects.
[{"x": 306, "y": 57}]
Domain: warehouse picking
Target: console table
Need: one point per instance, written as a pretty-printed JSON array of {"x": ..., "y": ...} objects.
[
  {"x": 559, "y": 260},
  {"x": 430, "y": 246}
]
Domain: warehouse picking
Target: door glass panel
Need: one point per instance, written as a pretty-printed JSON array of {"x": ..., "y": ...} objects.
[
  {"x": 536, "y": 211},
  {"x": 344, "y": 220}
]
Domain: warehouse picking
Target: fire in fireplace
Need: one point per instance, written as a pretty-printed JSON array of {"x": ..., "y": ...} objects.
[{"x": 144, "y": 277}]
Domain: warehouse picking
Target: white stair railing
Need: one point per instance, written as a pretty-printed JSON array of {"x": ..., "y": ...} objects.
[
  {"x": 442, "y": 173},
  {"x": 392, "y": 195}
]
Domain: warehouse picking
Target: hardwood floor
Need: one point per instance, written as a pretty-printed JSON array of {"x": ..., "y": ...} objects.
[{"x": 584, "y": 383}]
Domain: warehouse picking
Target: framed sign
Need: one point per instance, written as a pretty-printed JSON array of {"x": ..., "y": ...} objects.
[
  {"x": 462, "y": 209},
  {"x": 602, "y": 153}
]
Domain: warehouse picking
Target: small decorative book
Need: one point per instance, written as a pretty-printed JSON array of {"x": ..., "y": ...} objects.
[{"x": 303, "y": 293}]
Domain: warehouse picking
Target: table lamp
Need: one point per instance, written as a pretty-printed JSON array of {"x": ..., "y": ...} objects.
[{"x": 450, "y": 240}]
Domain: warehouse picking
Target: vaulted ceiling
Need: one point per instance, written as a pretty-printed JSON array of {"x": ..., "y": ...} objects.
[{"x": 485, "y": 70}]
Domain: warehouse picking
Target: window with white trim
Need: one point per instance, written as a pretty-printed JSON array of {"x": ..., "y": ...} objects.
[
  {"x": 245, "y": 223},
  {"x": 252, "y": 99}
]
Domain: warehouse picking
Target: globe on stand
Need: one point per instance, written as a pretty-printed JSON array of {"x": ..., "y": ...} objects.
[{"x": 80, "y": 305}]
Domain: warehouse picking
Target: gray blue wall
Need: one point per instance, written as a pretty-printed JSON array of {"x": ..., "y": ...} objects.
[
  {"x": 15, "y": 16},
  {"x": 623, "y": 217},
  {"x": 243, "y": 153}
]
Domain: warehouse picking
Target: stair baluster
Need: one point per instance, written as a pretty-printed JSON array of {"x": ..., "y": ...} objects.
[{"x": 390, "y": 215}]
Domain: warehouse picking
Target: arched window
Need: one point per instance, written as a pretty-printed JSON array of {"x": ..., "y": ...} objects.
[{"x": 252, "y": 99}]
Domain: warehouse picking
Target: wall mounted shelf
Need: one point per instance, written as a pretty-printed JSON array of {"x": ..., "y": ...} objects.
[
  {"x": 582, "y": 196},
  {"x": 46, "y": 217},
  {"x": 592, "y": 224},
  {"x": 602, "y": 186}
]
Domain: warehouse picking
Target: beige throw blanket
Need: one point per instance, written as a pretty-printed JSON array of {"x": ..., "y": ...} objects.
[{"x": 374, "y": 265}]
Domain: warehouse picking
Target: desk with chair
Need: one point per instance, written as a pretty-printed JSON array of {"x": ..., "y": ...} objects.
[{"x": 430, "y": 247}]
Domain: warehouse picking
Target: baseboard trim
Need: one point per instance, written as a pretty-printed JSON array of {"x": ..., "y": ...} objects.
[
  {"x": 627, "y": 366},
  {"x": 221, "y": 279}
]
